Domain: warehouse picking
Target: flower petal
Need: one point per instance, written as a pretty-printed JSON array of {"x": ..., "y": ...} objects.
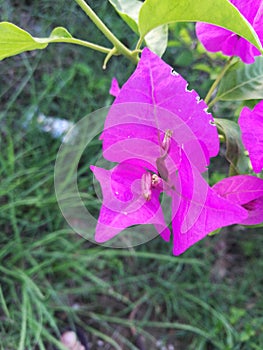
[
  {"x": 244, "y": 190},
  {"x": 114, "y": 89},
  {"x": 258, "y": 22},
  {"x": 216, "y": 38},
  {"x": 255, "y": 212},
  {"x": 211, "y": 36},
  {"x": 198, "y": 210},
  {"x": 123, "y": 202},
  {"x": 251, "y": 124},
  {"x": 154, "y": 84}
]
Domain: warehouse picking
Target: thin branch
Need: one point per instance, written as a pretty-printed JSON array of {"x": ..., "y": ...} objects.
[
  {"x": 118, "y": 45},
  {"x": 217, "y": 81}
]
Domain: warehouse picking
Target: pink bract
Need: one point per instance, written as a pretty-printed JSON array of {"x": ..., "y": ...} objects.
[
  {"x": 114, "y": 89},
  {"x": 155, "y": 84},
  {"x": 251, "y": 125},
  {"x": 215, "y": 38},
  {"x": 162, "y": 138},
  {"x": 246, "y": 191},
  {"x": 123, "y": 203}
]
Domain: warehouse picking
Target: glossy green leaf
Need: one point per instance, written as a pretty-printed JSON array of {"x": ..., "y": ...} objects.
[
  {"x": 219, "y": 12},
  {"x": 14, "y": 40},
  {"x": 129, "y": 10},
  {"x": 242, "y": 82},
  {"x": 235, "y": 152}
]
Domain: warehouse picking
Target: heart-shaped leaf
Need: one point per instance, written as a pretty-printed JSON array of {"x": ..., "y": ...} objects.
[
  {"x": 242, "y": 82},
  {"x": 219, "y": 12}
]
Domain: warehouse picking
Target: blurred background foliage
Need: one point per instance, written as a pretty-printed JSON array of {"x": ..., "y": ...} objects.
[{"x": 52, "y": 279}]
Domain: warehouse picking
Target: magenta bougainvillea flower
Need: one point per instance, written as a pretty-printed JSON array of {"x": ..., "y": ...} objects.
[
  {"x": 247, "y": 191},
  {"x": 251, "y": 125},
  {"x": 162, "y": 138},
  {"x": 215, "y": 38}
]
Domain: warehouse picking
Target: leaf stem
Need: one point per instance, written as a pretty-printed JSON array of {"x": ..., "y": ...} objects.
[
  {"x": 118, "y": 45},
  {"x": 139, "y": 43},
  {"x": 77, "y": 42},
  {"x": 108, "y": 57},
  {"x": 216, "y": 82}
]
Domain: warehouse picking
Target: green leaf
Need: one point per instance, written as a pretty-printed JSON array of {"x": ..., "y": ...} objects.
[
  {"x": 235, "y": 152},
  {"x": 219, "y": 12},
  {"x": 129, "y": 11},
  {"x": 157, "y": 40},
  {"x": 14, "y": 40},
  {"x": 60, "y": 32},
  {"x": 242, "y": 82}
]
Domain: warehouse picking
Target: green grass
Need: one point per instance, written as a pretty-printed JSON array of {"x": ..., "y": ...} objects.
[{"x": 52, "y": 279}]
